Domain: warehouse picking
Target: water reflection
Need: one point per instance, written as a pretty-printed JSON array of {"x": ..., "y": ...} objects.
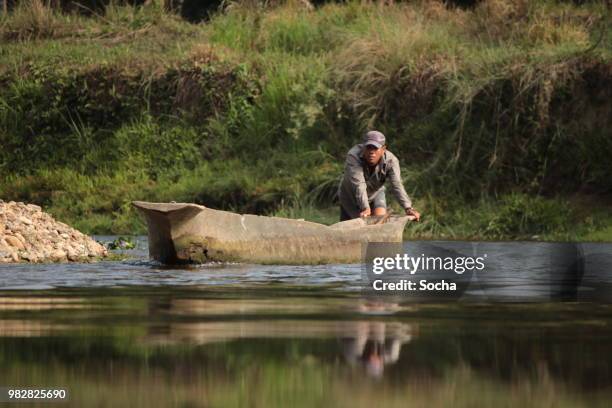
[
  {"x": 373, "y": 345},
  {"x": 367, "y": 344},
  {"x": 162, "y": 348},
  {"x": 28, "y": 328},
  {"x": 41, "y": 303}
]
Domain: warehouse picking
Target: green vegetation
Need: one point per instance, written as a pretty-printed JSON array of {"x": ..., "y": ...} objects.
[
  {"x": 500, "y": 113},
  {"x": 121, "y": 243}
]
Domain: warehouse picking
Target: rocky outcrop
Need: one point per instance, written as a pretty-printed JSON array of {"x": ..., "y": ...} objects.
[{"x": 27, "y": 234}]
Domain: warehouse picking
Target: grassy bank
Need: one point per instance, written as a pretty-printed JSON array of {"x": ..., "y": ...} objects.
[{"x": 500, "y": 113}]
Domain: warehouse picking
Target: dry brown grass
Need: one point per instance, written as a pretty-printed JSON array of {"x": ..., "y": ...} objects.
[
  {"x": 35, "y": 19},
  {"x": 409, "y": 51}
]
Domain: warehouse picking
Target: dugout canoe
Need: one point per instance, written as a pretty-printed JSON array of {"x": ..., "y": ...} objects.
[{"x": 191, "y": 233}]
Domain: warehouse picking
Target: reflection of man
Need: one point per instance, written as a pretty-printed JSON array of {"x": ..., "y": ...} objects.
[
  {"x": 376, "y": 344},
  {"x": 368, "y": 166}
]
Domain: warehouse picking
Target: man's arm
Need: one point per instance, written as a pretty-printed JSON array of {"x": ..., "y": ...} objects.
[{"x": 354, "y": 172}]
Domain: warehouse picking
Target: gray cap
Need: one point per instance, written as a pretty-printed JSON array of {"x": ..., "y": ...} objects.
[{"x": 374, "y": 138}]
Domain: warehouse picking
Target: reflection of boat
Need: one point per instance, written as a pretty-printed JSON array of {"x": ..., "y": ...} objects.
[
  {"x": 28, "y": 328},
  {"x": 365, "y": 343},
  {"x": 180, "y": 233},
  {"x": 214, "y": 332},
  {"x": 41, "y": 303}
]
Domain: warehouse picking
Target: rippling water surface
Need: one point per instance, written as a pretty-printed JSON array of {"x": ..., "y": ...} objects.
[{"x": 135, "y": 333}]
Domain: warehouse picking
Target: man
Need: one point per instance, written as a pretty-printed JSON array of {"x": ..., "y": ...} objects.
[{"x": 368, "y": 166}]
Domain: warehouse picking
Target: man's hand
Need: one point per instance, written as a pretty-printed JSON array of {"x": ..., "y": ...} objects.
[
  {"x": 413, "y": 214},
  {"x": 365, "y": 213}
]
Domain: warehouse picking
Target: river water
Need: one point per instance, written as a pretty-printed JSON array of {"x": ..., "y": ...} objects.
[{"x": 136, "y": 333}]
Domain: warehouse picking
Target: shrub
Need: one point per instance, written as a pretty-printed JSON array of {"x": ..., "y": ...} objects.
[{"x": 520, "y": 215}]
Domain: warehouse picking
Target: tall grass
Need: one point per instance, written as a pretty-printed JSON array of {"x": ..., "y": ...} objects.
[{"x": 36, "y": 19}]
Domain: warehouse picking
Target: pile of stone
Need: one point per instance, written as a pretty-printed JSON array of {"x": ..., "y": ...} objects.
[{"x": 27, "y": 234}]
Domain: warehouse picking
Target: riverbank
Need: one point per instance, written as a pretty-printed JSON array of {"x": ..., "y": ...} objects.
[{"x": 498, "y": 113}]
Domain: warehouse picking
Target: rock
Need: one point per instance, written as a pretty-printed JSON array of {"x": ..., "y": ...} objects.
[
  {"x": 72, "y": 255},
  {"x": 57, "y": 255},
  {"x": 28, "y": 234},
  {"x": 14, "y": 242},
  {"x": 71, "y": 252},
  {"x": 20, "y": 237},
  {"x": 26, "y": 256}
]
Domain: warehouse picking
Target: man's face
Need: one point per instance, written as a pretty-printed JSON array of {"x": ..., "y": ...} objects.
[{"x": 372, "y": 154}]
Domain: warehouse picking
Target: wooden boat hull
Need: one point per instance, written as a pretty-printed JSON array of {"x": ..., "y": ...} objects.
[{"x": 191, "y": 233}]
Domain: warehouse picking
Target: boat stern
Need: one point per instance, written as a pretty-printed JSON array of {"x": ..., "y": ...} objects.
[{"x": 162, "y": 219}]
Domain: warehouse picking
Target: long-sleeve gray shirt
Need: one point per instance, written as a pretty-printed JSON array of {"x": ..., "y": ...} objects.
[{"x": 360, "y": 184}]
